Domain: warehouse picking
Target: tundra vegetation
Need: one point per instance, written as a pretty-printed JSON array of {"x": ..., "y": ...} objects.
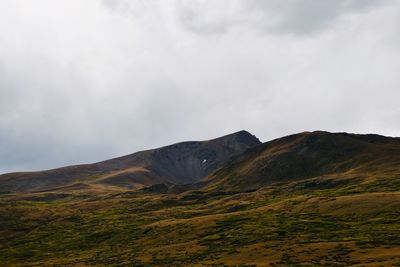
[{"x": 344, "y": 211}]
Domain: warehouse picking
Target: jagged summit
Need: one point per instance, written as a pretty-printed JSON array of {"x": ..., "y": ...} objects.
[{"x": 238, "y": 140}]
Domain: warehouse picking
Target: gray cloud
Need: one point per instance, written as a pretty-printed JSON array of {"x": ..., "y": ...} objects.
[
  {"x": 82, "y": 81},
  {"x": 299, "y": 17},
  {"x": 305, "y": 17}
]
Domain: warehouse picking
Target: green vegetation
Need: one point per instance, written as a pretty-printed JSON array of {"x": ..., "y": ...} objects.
[
  {"x": 274, "y": 226},
  {"x": 311, "y": 199}
]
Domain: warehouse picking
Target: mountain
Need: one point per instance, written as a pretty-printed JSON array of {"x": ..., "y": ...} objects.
[
  {"x": 310, "y": 155},
  {"x": 308, "y": 199},
  {"x": 180, "y": 163}
]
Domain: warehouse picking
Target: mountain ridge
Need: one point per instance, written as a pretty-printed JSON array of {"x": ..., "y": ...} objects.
[
  {"x": 308, "y": 155},
  {"x": 237, "y": 161},
  {"x": 183, "y": 162}
]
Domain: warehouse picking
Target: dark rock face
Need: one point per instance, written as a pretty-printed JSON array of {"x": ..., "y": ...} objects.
[
  {"x": 181, "y": 163},
  {"x": 188, "y": 162}
]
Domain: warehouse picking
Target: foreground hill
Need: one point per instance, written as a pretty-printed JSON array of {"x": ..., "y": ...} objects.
[
  {"x": 311, "y": 155},
  {"x": 310, "y": 199},
  {"x": 180, "y": 163}
]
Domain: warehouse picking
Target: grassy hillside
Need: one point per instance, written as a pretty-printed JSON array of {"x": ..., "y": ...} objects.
[
  {"x": 311, "y": 155},
  {"x": 338, "y": 206},
  {"x": 275, "y": 226}
]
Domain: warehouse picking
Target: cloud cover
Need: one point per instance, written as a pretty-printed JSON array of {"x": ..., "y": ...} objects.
[{"x": 82, "y": 81}]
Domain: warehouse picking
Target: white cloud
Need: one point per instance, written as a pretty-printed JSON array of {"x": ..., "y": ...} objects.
[{"x": 82, "y": 81}]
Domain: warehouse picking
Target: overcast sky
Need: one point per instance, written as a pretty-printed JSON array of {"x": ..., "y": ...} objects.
[{"x": 82, "y": 81}]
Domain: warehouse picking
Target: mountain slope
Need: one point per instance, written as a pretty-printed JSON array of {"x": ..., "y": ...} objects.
[
  {"x": 180, "y": 163},
  {"x": 317, "y": 199},
  {"x": 310, "y": 155}
]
